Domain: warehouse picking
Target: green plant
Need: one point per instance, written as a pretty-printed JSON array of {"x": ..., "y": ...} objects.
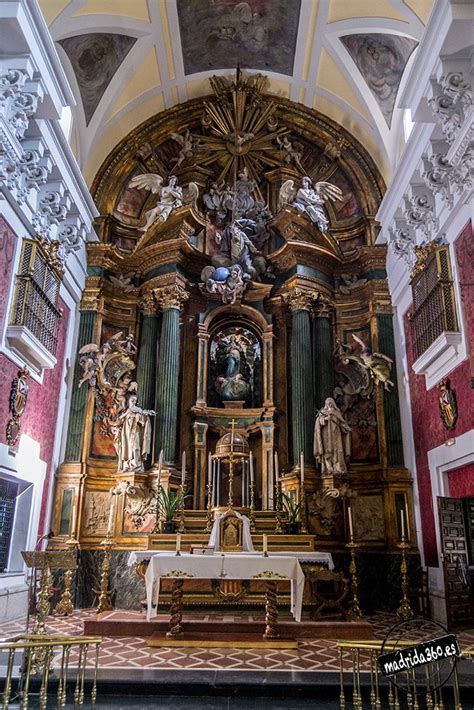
[
  {"x": 291, "y": 507},
  {"x": 169, "y": 502}
]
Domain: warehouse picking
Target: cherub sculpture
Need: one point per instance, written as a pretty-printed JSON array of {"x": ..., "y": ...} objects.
[
  {"x": 309, "y": 199},
  {"x": 228, "y": 283},
  {"x": 351, "y": 282},
  {"x": 291, "y": 151},
  {"x": 378, "y": 364},
  {"x": 188, "y": 146},
  {"x": 171, "y": 196}
]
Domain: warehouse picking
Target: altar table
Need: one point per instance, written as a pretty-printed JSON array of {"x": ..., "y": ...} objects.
[{"x": 223, "y": 566}]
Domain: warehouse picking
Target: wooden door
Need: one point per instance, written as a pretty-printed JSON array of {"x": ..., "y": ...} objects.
[{"x": 455, "y": 562}]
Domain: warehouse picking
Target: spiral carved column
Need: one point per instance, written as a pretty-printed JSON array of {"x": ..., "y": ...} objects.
[
  {"x": 176, "y": 611},
  {"x": 271, "y": 610}
]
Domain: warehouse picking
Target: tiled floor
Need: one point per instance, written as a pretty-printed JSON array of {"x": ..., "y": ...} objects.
[{"x": 132, "y": 652}]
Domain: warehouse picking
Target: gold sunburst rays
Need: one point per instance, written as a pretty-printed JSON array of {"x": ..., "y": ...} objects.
[{"x": 241, "y": 126}]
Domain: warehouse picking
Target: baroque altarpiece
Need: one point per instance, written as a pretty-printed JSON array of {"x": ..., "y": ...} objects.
[{"x": 218, "y": 300}]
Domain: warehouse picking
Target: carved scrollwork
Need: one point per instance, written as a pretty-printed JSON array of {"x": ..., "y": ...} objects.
[
  {"x": 300, "y": 299},
  {"x": 173, "y": 296}
]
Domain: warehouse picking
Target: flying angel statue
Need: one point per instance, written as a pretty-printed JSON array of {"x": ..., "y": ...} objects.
[
  {"x": 170, "y": 196},
  {"x": 309, "y": 199},
  {"x": 378, "y": 364}
]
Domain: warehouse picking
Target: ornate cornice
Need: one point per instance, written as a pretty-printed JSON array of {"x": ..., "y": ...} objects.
[
  {"x": 173, "y": 296},
  {"x": 92, "y": 294}
]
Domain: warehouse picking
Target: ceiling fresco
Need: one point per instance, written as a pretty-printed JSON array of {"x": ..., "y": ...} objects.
[
  {"x": 381, "y": 59},
  {"x": 95, "y": 58},
  {"x": 226, "y": 33},
  {"x": 129, "y": 60}
]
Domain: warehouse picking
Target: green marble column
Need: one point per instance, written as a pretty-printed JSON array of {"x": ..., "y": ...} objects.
[
  {"x": 301, "y": 368},
  {"x": 147, "y": 358},
  {"x": 77, "y": 415},
  {"x": 323, "y": 365},
  {"x": 171, "y": 299},
  {"x": 391, "y": 404}
]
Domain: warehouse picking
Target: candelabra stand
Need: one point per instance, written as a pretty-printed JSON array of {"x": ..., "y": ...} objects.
[
  {"x": 65, "y": 605},
  {"x": 404, "y": 611},
  {"x": 252, "y": 508},
  {"x": 354, "y": 612},
  {"x": 209, "y": 507},
  {"x": 303, "y": 514},
  {"x": 157, "y": 528},
  {"x": 104, "y": 599},
  {"x": 278, "y": 528},
  {"x": 181, "y": 526}
]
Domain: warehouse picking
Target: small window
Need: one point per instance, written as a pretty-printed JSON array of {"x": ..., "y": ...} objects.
[
  {"x": 434, "y": 307},
  {"x": 36, "y": 295}
]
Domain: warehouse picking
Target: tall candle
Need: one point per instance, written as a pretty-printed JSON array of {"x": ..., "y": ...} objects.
[
  {"x": 74, "y": 513},
  {"x": 178, "y": 542},
  {"x": 277, "y": 472},
  {"x": 183, "y": 468},
  {"x": 408, "y": 520},
  {"x": 302, "y": 468},
  {"x": 209, "y": 468},
  {"x": 111, "y": 516},
  {"x": 251, "y": 468},
  {"x": 265, "y": 544},
  {"x": 402, "y": 518},
  {"x": 349, "y": 516}
]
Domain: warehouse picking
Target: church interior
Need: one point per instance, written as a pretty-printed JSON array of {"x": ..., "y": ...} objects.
[{"x": 236, "y": 352}]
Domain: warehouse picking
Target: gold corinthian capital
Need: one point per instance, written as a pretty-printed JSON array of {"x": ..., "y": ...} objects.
[
  {"x": 300, "y": 299},
  {"x": 171, "y": 296}
]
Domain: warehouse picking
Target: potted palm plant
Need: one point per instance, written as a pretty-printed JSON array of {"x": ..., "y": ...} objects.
[
  {"x": 168, "y": 503},
  {"x": 293, "y": 510}
]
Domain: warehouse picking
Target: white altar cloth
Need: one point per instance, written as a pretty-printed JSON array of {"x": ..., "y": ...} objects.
[
  {"x": 323, "y": 558},
  {"x": 222, "y": 566}
]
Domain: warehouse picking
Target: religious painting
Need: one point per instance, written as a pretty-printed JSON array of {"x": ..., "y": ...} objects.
[
  {"x": 95, "y": 58},
  {"x": 131, "y": 200},
  {"x": 367, "y": 512},
  {"x": 348, "y": 206},
  {"x": 381, "y": 59},
  {"x": 225, "y": 33},
  {"x": 235, "y": 367}
]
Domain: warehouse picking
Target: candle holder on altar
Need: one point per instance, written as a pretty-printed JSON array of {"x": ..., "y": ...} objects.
[
  {"x": 404, "y": 611},
  {"x": 209, "y": 507},
  {"x": 252, "y": 508},
  {"x": 303, "y": 512},
  {"x": 158, "y": 522},
  {"x": 105, "y": 603},
  {"x": 278, "y": 527},
  {"x": 65, "y": 605},
  {"x": 180, "y": 517},
  {"x": 354, "y": 611}
]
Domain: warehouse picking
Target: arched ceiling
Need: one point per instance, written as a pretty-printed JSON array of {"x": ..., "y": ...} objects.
[{"x": 130, "y": 59}]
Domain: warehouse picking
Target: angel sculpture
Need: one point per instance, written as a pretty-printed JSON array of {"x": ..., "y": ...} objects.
[
  {"x": 309, "y": 200},
  {"x": 89, "y": 363},
  {"x": 291, "y": 151},
  {"x": 378, "y": 364},
  {"x": 228, "y": 283},
  {"x": 351, "y": 282},
  {"x": 171, "y": 196},
  {"x": 188, "y": 146},
  {"x": 123, "y": 281}
]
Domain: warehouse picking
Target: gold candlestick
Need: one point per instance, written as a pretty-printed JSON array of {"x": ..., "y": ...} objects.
[
  {"x": 181, "y": 526},
  {"x": 209, "y": 507},
  {"x": 65, "y": 605},
  {"x": 104, "y": 599},
  {"x": 252, "y": 508},
  {"x": 304, "y": 520},
  {"x": 404, "y": 611},
  {"x": 157, "y": 528},
  {"x": 278, "y": 528},
  {"x": 354, "y": 612}
]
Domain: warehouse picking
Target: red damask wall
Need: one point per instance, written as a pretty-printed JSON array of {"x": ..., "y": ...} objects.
[
  {"x": 428, "y": 429},
  {"x": 39, "y": 419},
  {"x": 461, "y": 482}
]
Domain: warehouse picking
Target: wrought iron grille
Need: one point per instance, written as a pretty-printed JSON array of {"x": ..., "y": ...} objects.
[
  {"x": 433, "y": 302},
  {"x": 36, "y": 295},
  {"x": 8, "y": 493}
]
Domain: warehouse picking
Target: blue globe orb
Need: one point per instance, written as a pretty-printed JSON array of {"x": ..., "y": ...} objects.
[{"x": 221, "y": 274}]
